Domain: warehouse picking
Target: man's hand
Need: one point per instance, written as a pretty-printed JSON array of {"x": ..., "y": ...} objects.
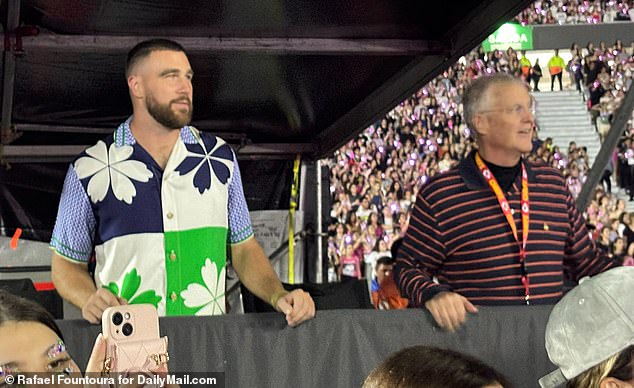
[
  {"x": 255, "y": 271},
  {"x": 298, "y": 307},
  {"x": 449, "y": 309},
  {"x": 98, "y": 302}
]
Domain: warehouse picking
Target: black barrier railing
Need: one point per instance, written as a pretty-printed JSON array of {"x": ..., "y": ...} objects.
[
  {"x": 339, "y": 347},
  {"x": 610, "y": 142}
]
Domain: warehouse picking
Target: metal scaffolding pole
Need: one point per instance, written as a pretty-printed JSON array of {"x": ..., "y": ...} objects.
[
  {"x": 319, "y": 232},
  {"x": 611, "y": 140},
  {"x": 298, "y": 46},
  {"x": 8, "y": 76}
]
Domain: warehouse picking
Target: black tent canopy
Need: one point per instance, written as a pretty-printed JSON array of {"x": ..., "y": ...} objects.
[{"x": 274, "y": 78}]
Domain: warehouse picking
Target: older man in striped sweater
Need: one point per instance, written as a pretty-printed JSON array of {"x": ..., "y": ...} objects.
[{"x": 497, "y": 229}]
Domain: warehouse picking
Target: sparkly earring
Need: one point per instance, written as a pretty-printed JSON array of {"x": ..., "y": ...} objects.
[
  {"x": 56, "y": 349},
  {"x": 5, "y": 370}
]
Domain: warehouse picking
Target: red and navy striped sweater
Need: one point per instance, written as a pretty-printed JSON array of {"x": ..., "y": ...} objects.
[{"x": 459, "y": 234}]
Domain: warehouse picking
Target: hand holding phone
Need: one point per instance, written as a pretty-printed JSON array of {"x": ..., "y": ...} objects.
[{"x": 133, "y": 342}]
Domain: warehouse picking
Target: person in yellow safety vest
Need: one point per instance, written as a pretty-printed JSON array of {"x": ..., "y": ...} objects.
[
  {"x": 525, "y": 66},
  {"x": 556, "y": 67}
]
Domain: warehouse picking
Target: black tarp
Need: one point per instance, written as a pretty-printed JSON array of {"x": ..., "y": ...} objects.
[
  {"x": 30, "y": 192},
  {"x": 339, "y": 347},
  {"x": 266, "y": 72}
]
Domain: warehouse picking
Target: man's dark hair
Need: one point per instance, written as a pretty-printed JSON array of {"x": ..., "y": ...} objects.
[
  {"x": 16, "y": 309},
  {"x": 384, "y": 260},
  {"x": 145, "y": 48},
  {"x": 429, "y": 367}
]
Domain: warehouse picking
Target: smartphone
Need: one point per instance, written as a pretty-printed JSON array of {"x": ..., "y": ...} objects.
[{"x": 133, "y": 341}]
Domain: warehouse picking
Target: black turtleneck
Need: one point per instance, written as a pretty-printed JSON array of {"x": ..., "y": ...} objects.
[{"x": 504, "y": 175}]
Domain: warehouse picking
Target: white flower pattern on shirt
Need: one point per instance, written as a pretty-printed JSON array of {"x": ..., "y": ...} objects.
[
  {"x": 111, "y": 166},
  {"x": 209, "y": 297}
]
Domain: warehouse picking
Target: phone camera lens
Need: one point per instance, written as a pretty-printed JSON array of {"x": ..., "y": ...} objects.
[
  {"x": 117, "y": 318},
  {"x": 127, "y": 329}
]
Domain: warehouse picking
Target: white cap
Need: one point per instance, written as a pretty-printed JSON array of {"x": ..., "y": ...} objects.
[{"x": 593, "y": 322}]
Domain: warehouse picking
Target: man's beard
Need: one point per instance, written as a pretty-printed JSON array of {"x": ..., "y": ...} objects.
[{"x": 164, "y": 114}]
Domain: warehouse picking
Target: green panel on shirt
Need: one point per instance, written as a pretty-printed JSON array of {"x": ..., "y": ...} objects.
[{"x": 186, "y": 253}]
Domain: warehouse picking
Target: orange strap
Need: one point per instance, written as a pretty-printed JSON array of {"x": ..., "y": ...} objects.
[{"x": 506, "y": 209}]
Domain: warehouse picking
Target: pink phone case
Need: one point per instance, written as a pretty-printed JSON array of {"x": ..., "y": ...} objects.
[
  {"x": 138, "y": 356},
  {"x": 133, "y": 342}
]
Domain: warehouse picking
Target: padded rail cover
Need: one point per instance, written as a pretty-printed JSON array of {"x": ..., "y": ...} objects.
[{"x": 339, "y": 347}]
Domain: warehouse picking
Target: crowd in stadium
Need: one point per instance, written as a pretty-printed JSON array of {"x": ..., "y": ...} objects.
[
  {"x": 576, "y": 11},
  {"x": 375, "y": 177}
]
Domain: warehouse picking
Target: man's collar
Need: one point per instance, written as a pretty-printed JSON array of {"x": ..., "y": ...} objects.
[
  {"x": 473, "y": 178},
  {"x": 123, "y": 134}
]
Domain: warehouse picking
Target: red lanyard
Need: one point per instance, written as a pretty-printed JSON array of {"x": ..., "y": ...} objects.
[{"x": 506, "y": 209}]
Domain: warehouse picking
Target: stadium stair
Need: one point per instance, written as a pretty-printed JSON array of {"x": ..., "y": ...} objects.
[{"x": 564, "y": 117}]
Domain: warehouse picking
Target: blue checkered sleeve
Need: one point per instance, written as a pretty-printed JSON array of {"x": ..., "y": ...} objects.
[
  {"x": 75, "y": 225},
  {"x": 239, "y": 220}
]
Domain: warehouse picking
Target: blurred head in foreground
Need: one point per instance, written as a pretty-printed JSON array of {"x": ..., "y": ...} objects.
[{"x": 428, "y": 367}]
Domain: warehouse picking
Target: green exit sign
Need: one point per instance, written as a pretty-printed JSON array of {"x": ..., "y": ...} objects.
[{"x": 510, "y": 35}]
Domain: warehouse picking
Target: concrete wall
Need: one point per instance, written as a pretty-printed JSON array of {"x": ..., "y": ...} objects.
[{"x": 562, "y": 36}]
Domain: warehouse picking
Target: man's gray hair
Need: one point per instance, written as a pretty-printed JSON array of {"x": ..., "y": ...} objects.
[{"x": 475, "y": 95}]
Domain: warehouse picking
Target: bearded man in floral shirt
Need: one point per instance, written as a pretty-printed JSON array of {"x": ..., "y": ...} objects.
[{"x": 157, "y": 203}]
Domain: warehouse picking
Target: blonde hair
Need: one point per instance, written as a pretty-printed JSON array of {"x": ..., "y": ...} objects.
[
  {"x": 619, "y": 366},
  {"x": 592, "y": 377}
]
